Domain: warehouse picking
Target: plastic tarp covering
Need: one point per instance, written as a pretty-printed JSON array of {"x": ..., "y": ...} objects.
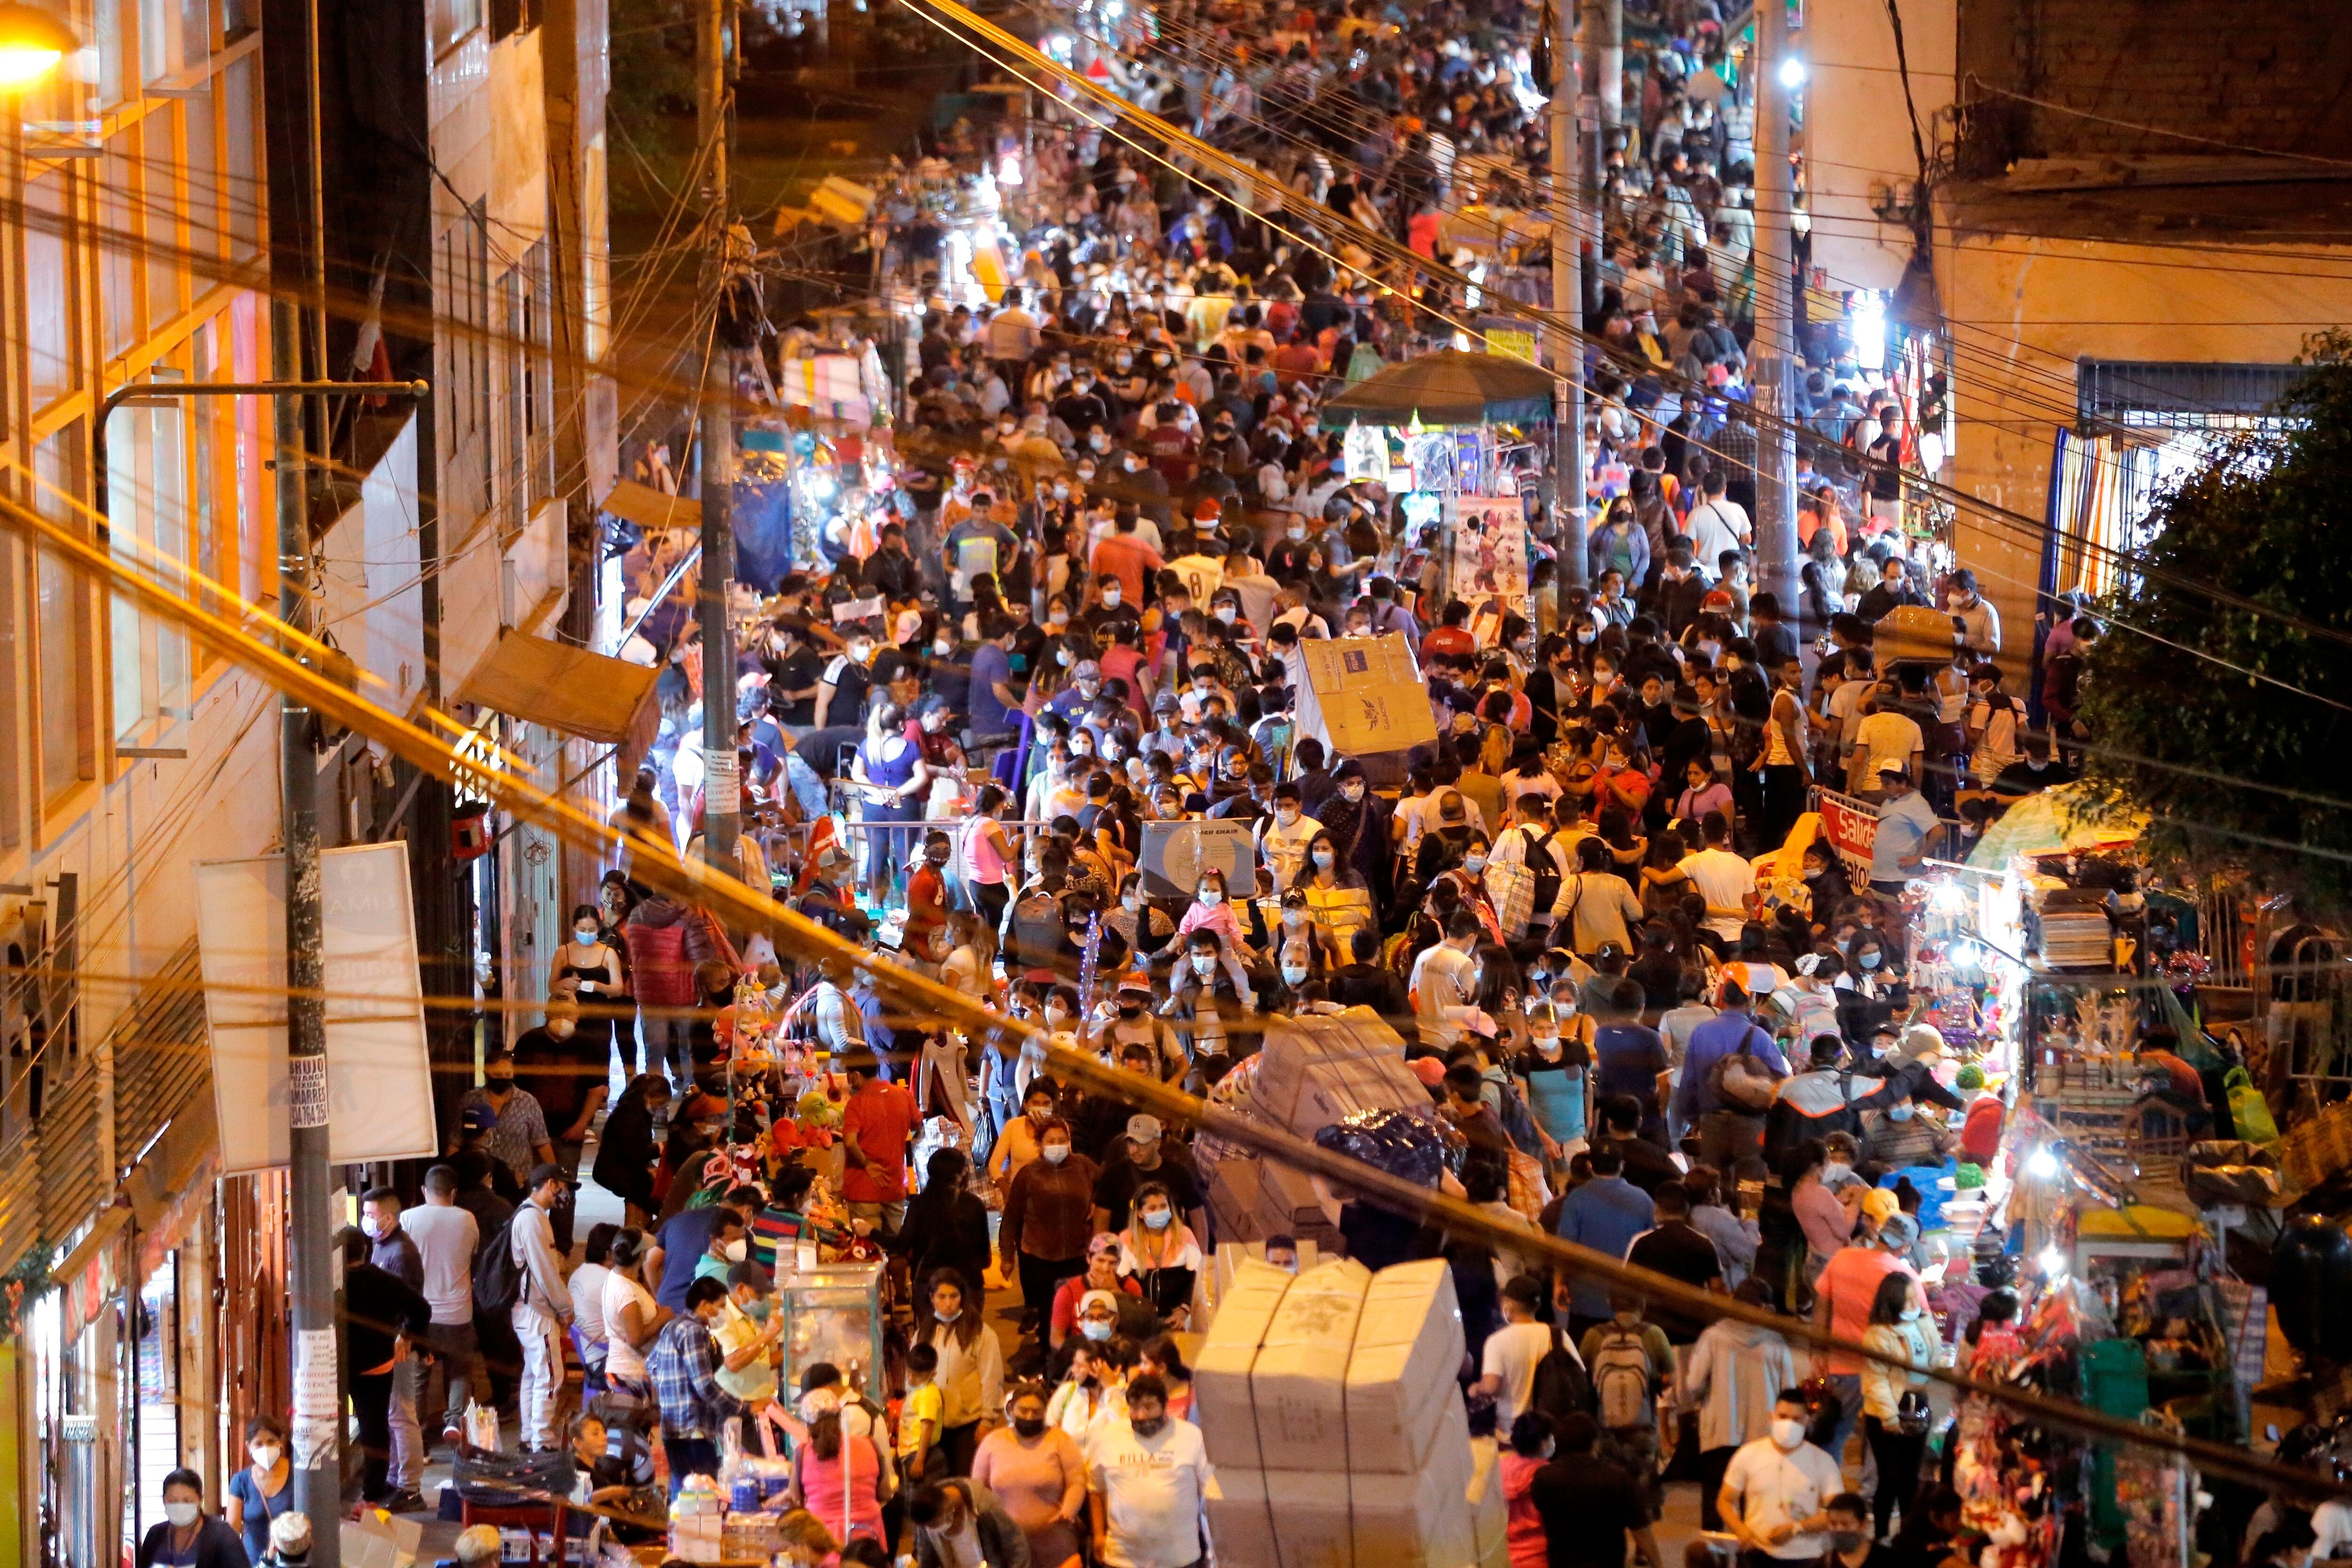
[{"x": 564, "y": 688}]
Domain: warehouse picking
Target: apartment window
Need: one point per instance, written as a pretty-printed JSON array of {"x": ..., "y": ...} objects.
[
  {"x": 466, "y": 359},
  {"x": 166, "y": 258},
  {"x": 49, "y": 294},
  {"x": 202, "y": 162},
  {"x": 245, "y": 196},
  {"x": 452, "y": 20},
  {"x": 117, "y": 244},
  {"x": 61, "y": 625},
  {"x": 147, "y": 501}
]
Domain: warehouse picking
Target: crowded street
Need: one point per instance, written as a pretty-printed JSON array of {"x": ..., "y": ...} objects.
[{"x": 1174, "y": 784}]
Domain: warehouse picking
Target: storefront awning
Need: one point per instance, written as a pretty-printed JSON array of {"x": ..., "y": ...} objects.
[
  {"x": 564, "y": 688},
  {"x": 649, "y": 509}
]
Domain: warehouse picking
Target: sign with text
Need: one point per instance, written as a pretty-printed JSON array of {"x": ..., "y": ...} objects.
[
  {"x": 1176, "y": 853},
  {"x": 379, "y": 1089},
  {"x": 1850, "y": 825},
  {"x": 1368, "y": 695}
]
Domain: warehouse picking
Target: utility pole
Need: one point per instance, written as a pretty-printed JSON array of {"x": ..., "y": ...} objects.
[
  {"x": 1776, "y": 447},
  {"x": 1567, "y": 219},
  {"x": 722, "y": 784},
  {"x": 316, "y": 1457},
  {"x": 1604, "y": 58}
]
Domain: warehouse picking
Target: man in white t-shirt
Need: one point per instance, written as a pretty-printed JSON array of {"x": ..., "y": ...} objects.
[
  {"x": 446, "y": 1237},
  {"x": 1514, "y": 1351},
  {"x": 1885, "y": 738},
  {"x": 1776, "y": 1488},
  {"x": 1283, "y": 838},
  {"x": 1726, "y": 879},
  {"x": 1716, "y": 524},
  {"x": 1146, "y": 1476}
]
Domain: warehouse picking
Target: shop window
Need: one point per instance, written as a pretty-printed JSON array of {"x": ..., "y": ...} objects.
[
  {"x": 452, "y": 20},
  {"x": 162, "y": 200},
  {"x": 48, "y": 296},
  {"x": 117, "y": 241},
  {"x": 147, "y": 490}
]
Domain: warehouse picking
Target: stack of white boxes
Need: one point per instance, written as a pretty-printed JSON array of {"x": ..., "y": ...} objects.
[{"x": 1332, "y": 1413}]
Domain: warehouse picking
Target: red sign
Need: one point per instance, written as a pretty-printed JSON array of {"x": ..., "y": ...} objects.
[{"x": 1851, "y": 827}]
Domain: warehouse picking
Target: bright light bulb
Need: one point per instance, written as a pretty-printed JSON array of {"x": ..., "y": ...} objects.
[
  {"x": 21, "y": 65},
  {"x": 2041, "y": 1164},
  {"x": 1793, "y": 73},
  {"x": 2053, "y": 1261}
]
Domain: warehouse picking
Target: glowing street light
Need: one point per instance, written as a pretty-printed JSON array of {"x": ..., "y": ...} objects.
[
  {"x": 1793, "y": 73},
  {"x": 32, "y": 43}
]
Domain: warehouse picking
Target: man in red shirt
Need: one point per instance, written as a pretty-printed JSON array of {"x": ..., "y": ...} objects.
[
  {"x": 926, "y": 898},
  {"x": 1122, "y": 554},
  {"x": 876, "y": 1123},
  {"x": 1843, "y": 1291},
  {"x": 1452, "y": 639}
]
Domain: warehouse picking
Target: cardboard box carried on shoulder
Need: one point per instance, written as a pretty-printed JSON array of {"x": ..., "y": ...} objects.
[
  {"x": 1223, "y": 1403},
  {"x": 1318, "y": 1068},
  {"x": 1402, "y": 1370}
]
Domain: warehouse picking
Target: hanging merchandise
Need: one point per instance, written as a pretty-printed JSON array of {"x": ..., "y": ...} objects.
[{"x": 1367, "y": 454}]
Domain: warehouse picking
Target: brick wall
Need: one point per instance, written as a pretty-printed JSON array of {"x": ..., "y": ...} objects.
[{"x": 2265, "y": 74}]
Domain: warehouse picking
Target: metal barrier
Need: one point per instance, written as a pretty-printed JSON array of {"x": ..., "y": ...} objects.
[{"x": 2304, "y": 1024}]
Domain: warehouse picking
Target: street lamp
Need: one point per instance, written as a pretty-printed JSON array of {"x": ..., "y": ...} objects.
[{"x": 32, "y": 43}]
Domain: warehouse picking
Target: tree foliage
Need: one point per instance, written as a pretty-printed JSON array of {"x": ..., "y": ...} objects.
[{"x": 2219, "y": 719}]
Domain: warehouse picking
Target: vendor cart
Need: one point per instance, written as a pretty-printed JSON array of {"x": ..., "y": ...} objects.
[{"x": 833, "y": 1313}]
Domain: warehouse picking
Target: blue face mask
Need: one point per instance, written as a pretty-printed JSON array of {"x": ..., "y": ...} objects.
[
  {"x": 760, "y": 1310},
  {"x": 1868, "y": 960},
  {"x": 1901, "y": 1112}
]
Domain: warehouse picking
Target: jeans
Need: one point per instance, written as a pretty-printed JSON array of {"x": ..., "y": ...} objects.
[
  {"x": 1712, "y": 1463},
  {"x": 1847, "y": 1387},
  {"x": 560, "y": 1218},
  {"x": 407, "y": 1433},
  {"x": 541, "y": 1334},
  {"x": 458, "y": 1354},
  {"x": 887, "y": 848},
  {"x": 371, "y": 1404},
  {"x": 1898, "y": 1453},
  {"x": 668, "y": 1041}
]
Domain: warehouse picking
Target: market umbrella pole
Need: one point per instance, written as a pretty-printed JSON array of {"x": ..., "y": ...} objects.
[
  {"x": 1567, "y": 283},
  {"x": 793, "y": 932},
  {"x": 721, "y": 780}
]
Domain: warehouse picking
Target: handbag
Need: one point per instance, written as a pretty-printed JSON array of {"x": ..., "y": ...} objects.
[
  {"x": 1912, "y": 1415},
  {"x": 2250, "y": 1113}
]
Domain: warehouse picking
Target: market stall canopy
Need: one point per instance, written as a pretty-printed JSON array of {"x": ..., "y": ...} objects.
[
  {"x": 1448, "y": 387},
  {"x": 564, "y": 688},
  {"x": 2066, "y": 816},
  {"x": 651, "y": 510}
]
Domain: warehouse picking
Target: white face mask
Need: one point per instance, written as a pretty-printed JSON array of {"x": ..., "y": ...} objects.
[
  {"x": 1286, "y": 815},
  {"x": 372, "y": 1225},
  {"x": 951, "y": 1317},
  {"x": 737, "y": 1250},
  {"x": 265, "y": 1456},
  {"x": 1131, "y": 903},
  {"x": 1054, "y": 1154},
  {"x": 180, "y": 1514},
  {"x": 1226, "y": 613},
  {"x": 1206, "y": 964},
  {"x": 1158, "y": 1219},
  {"x": 1836, "y": 1170},
  {"x": 1293, "y": 974},
  {"x": 1548, "y": 1045},
  {"x": 1210, "y": 898},
  {"x": 1474, "y": 864},
  {"x": 1323, "y": 859},
  {"x": 1096, "y": 1329},
  {"x": 1910, "y": 1315},
  {"x": 1788, "y": 1433},
  {"x": 1297, "y": 533},
  {"x": 1111, "y": 597}
]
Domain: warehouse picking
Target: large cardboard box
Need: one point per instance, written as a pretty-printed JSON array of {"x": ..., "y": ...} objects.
[
  {"x": 1233, "y": 1195},
  {"x": 1221, "y": 1399},
  {"x": 1288, "y": 1205},
  {"x": 1239, "y": 1522},
  {"x": 1407, "y": 1358},
  {"x": 1413, "y": 1521},
  {"x": 1317, "y": 1068},
  {"x": 1314, "y": 1526},
  {"x": 1298, "y": 1385}
]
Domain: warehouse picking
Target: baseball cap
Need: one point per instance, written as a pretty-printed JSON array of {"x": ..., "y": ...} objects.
[
  {"x": 543, "y": 1173},
  {"x": 1878, "y": 1205},
  {"x": 1086, "y": 669},
  {"x": 1098, "y": 1298},
  {"x": 1430, "y": 1070},
  {"x": 1142, "y": 1129},
  {"x": 1103, "y": 1241},
  {"x": 1898, "y": 1230},
  {"x": 476, "y": 1119},
  {"x": 1893, "y": 765}
]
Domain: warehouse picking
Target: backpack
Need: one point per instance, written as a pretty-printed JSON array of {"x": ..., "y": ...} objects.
[
  {"x": 498, "y": 1277},
  {"x": 1036, "y": 929},
  {"x": 1560, "y": 1388},
  {"x": 1620, "y": 1380},
  {"x": 1741, "y": 1082},
  {"x": 1543, "y": 869}
]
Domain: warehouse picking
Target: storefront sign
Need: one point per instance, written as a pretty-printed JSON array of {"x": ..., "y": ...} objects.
[
  {"x": 1851, "y": 827},
  {"x": 378, "y": 1079},
  {"x": 1514, "y": 343}
]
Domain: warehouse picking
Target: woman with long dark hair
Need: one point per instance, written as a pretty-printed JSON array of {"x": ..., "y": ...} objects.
[
  {"x": 970, "y": 1375},
  {"x": 624, "y": 1150},
  {"x": 947, "y": 1224}
]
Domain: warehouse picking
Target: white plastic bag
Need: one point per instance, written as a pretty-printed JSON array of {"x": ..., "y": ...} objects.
[{"x": 482, "y": 1427}]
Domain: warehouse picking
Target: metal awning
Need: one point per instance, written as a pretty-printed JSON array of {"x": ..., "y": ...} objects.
[
  {"x": 561, "y": 687},
  {"x": 649, "y": 509}
]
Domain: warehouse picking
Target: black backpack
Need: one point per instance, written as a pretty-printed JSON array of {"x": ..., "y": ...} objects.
[
  {"x": 498, "y": 1277},
  {"x": 1561, "y": 1389},
  {"x": 1544, "y": 869}
]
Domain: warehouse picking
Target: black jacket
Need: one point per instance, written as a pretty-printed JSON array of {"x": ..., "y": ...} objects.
[
  {"x": 217, "y": 1545},
  {"x": 946, "y": 1233},
  {"x": 376, "y": 1306}
]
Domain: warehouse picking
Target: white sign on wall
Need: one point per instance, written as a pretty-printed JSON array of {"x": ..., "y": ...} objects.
[{"x": 379, "y": 1073}]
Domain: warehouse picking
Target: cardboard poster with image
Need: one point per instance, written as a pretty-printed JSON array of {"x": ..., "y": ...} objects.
[{"x": 1489, "y": 535}]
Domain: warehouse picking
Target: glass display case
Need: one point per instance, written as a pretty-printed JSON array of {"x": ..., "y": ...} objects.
[{"x": 832, "y": 1313}]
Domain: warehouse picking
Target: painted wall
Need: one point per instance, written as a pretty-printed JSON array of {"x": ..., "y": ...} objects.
[
  {"x": 2025, "y": 310},
  {"x": 1856, "y": 135}
]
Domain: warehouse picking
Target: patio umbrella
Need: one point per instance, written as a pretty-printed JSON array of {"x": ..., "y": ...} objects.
[
  {"x": 2063, "y": 817},
  {"x": 1448, "y": 387}
]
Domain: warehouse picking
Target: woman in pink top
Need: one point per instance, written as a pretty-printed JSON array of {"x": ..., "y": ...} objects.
[
  {"x": 839, "y": 1479},
  {"x": 1038, "y": 1474},
  {"x": 982, "y": 851},
  {"x": 1523, "y": 1527}
]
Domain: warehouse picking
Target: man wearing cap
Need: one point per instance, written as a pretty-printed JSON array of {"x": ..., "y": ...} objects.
[
  {"x": 1729, "y": 1132},
  {"x": 1085, "y": 684},
  {"x": 1202, "y": 569},
  {"x": 1904, "y": 822},
  {"x": 1844, "y": 1292},
  {"x": 542, "y": 1305},
  {"x": 1146, "y": 1161},
  {"x": 875, "y": 1122}
]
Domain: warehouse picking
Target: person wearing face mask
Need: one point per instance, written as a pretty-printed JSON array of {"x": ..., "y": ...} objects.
[
  {"x": 564, "y": 1064},
  {"x": 1776, "y": 1489},
  {"x": 1146, "y": 1476},
  {"x": 518, "y": 1135},
  {"x": 1844, "y": 1292},
  {"x": 692, "y": 1237},
  {"x": 971, "y": 1371},
  {"x": 1042, "y": 1239},
  {"x": 1103, "y": 1276},
  {"x": 1588, "y": 1506},
  {"x": 1038, "y": 1474},
  {"x": 1125, "y": 558},
  {"x": 1814, "y": 1179},
  {"x": 747, "y": 1329},
  {"x": 375, "y": 1312},
  {"x": 1283, "y": 838},
  {"x": 1898, "y": 1135},
  {"x": 1160, "y": 1253},
  {"x": 262, "y": 1492},
  {"x": 396, "y": 1254},
  {"x": 1555, "y": 1068},
  {"x": 1900, "y": 1328},
  {"x": 187, "y": 1536}
]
